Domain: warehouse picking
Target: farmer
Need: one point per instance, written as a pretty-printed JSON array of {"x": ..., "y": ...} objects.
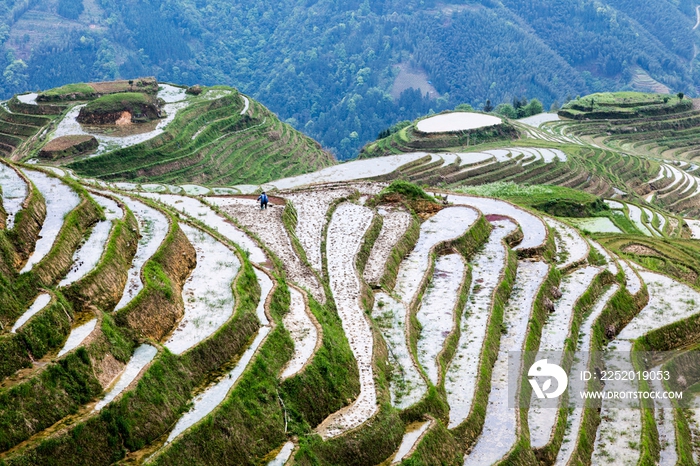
[{"x": 263, "y": 200}]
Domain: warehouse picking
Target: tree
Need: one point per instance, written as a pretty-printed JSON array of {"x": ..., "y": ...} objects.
[
  {"x": 488, "y": 108},
  {"x": 507, "y": 111},
  {"x": 518, "y": 103},
  {"x": 680, "y": 96},
  {"x": 464, "y": 108},
  {"x": 70, "y": 9},
  {"x": 16, "y": 76},
  {"x": 533, "y": 108}
]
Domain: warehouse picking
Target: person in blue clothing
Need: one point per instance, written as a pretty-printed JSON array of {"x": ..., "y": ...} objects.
[{"x": 263, "y": 200}]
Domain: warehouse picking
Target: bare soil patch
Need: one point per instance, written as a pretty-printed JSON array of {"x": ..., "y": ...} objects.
[
  {"x": 148, "y": 85},
  {"x": 68, "y": 146},
  {"x": 410, "y": 78},
  {"x": 124, "y": 119},
  {"x": 640, "y": 250},
  {"x": 268, "y": 225},
  {"x": 274, "y": 200}
]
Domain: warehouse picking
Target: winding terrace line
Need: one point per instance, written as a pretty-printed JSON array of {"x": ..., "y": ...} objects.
[
  {"x": 60, "y": 200},
  {"x": 153, "y": 228},
  {"x": 88, "y": 255},
  {"x": 349, "y": 171},
  {"x": 534, "y": 230},
  {"x": 304, "y": 332},
  {"x": 414, "y": 433},
  {"x": 142, "y": 356},
  {"x": 437, "y": 312},
  {"x": 207, "y": 401},
  {"x": 210, "y": 398},
  {"x": 500, "y": 431},
  {"x": 77, "y": 336},
  {"x": 407, "y": 385},
  {"x": 581, "y": 363},
  {"x": 311, "y": 208},
  {"x": 487, "y": 272},
  {"x": 246, "y": 104},
  {"x": 14, "y": 192},
  {"x": 541, "y": 417},
  {"x": 620, "y": 428},
  {"x": 344, "y": 237},
  {"x": 446, "y": 225},
  {"x": 632, "y": 280},
  {"x": 205, "y": 214},
  {"x": 269, "y": 227},
  {"x": 571, "y": 247},
  {"x": 207, "y": 293},
  {"x": 395, "y": 224},
  {"x": 39, "y": 303}
]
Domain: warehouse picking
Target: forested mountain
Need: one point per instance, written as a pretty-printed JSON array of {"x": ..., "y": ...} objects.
[{"x": 343, "y": 71}]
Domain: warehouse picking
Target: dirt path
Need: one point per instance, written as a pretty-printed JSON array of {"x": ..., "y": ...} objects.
[
  {"x": 268, "y": 225},
  {"x": 697, "y": 13},
  {"x": 246, "y": 105}
]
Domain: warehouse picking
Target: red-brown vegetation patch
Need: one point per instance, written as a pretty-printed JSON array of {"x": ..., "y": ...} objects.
[
  {"x": 497, "y": 218},
  {"x": 66, "y": 146}
]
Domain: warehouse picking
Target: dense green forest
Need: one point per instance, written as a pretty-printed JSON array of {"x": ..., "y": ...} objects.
[{"x": 328, "y": 68}]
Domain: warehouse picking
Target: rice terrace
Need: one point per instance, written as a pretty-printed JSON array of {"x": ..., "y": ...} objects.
[{"x": 373, "y": 314}]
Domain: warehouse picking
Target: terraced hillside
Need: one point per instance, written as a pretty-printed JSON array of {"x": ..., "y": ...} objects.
[
  {"x": 382, "y": 311},
  {"x": 146, "y": 327},
  {"x": 648, "y": 124},
  {"x": 214, "y": 136},
  {"x": 18, "y": 128}
]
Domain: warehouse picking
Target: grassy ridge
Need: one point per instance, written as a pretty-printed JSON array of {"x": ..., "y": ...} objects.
[
  {"x": 60, "y": 389},
  {"x": 674, "y": 257},
  {"x": 620, "y": 310},
  {"x": 409, "y": 139},
  {"x": 18, "y": 128},
  {"x": 103, "y": 285},
  {"x": 158, "y": 307},
  {"x": 623, "y": 105},
  {"x": 76, "y": 223},
  {"x": 252, "y": 409},
  {"x": 17, "y": 106},
  {"x": 148, "y": 411},
  {"x": 17, "y": 293},
  {"x": 521, "y": 453},
  {"x": 43, "y": 333},
  {"x": 582, "y": 308},
  {"x": 25, "y": 232}
]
